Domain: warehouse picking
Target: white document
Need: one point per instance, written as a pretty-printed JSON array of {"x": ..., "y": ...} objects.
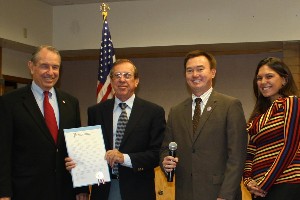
[{"x": 86, "y": 147}]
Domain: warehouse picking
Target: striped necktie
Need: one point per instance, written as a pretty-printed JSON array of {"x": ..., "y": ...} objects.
[
  {"x": 50, "y": 117},
  {"x": 197, "y": 114},
  {"x": 121, "y": 125}
]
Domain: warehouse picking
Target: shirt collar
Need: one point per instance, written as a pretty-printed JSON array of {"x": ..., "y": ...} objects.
[
  {"x": 129, "y": 102},
  {"x": 39, "y": 92},
  {"x": 204, "y": 96}
]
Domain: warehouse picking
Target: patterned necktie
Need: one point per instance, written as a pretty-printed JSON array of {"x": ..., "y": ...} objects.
[
  {"x": 121, "y": 125},
  {"x": 50, "y": 117},
  {"x": 197, "y": 114}
]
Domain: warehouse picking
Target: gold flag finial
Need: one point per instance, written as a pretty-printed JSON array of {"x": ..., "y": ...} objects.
[{"x": 104, "y": 8}]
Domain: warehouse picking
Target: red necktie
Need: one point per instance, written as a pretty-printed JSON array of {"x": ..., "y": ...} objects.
[{"x": 50, "y": 117}]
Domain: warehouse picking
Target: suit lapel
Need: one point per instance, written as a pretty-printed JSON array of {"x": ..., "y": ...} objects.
[
  {"x": 35, "y": 112},
  {"x": 63, "y": 112},
  {"x": 136, "y": 114},
  {"x": 108, "y": 122},
  {"x": 187, "y": 116},
  {"x": 208, "y": 110}
]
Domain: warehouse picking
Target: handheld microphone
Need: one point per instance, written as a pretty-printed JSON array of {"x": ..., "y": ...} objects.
[{"x": 172, "y": 152}]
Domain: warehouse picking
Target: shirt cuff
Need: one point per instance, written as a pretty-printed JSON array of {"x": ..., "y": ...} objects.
[{"x": 127, "y": 161}]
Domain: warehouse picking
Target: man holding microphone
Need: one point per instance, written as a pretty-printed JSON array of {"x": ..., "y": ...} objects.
[{"x": 210, "y": 131}]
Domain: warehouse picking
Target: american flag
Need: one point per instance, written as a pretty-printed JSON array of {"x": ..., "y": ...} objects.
[{"x": 106, "y": 59}]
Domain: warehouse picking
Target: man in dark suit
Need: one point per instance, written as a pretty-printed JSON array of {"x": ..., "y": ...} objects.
[
  {"x": 32, "y": 152},
  {"x": 211, "y": 137},
  {"x": 138, "y": 153}
]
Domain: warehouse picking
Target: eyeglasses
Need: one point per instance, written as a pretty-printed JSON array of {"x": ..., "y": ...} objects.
[{"x": 118, "y": 75}]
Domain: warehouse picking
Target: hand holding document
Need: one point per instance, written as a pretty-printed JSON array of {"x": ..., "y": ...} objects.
[{"x": 86, "y": 147}]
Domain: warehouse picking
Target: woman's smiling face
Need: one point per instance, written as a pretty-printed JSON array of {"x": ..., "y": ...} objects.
[{"x": 269, "y": 82}]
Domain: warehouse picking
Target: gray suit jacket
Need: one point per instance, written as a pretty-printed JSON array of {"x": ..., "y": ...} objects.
[{"x": 211, "y": 161}]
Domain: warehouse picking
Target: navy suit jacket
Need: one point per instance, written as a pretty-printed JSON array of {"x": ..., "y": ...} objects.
[
  {"x": 32, "y": 165},
  {"x": 142, "y": 141}
]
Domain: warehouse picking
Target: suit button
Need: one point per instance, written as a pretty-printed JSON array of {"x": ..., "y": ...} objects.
[{"x": 56, "y": 150}]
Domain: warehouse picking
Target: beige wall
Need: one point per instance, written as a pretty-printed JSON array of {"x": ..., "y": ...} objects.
[
  {"x": 162, "y": 80},
  {"x": 177, "y": 22},
  {"x": 34, "y": 16},
  {"x": 150, "y": 22},
  {"x": 14, "y": 63}
]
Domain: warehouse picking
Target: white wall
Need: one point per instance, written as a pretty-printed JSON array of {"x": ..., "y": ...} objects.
[
  {"x": 177, "y": 22},
  {"x": 35, "y": 16},
  {"x": 162, "y": 80}
]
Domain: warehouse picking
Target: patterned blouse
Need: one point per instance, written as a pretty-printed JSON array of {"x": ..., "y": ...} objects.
[{"x": 273, "y": 153}]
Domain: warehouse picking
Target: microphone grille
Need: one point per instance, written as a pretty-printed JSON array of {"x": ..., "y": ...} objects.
[{"x": 172, "y": 146}]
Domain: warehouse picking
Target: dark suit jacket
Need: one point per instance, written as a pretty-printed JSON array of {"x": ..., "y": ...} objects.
[
  {"x": 142, "y": 141},
  {"x": 32, "y": 165},
  {"x": 211, "y": 161}
]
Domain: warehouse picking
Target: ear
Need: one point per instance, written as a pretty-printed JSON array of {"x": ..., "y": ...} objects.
[
  {"x": 30, "y": 66},
  {"x": 137, "y": 80},
  {"x": 284, "y": 81},
  {"x": 213, "y": 71}
]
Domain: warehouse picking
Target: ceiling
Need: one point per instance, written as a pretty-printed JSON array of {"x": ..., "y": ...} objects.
[{"x": 71, "y": 2}]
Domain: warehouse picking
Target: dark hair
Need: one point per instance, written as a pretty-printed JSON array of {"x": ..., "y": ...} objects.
[
  {"x": 211, "y": 59},
  {"x": 120, "y": 61},
  {"x": 35, "y": 54},
  {"x": 263, "y": 103}
]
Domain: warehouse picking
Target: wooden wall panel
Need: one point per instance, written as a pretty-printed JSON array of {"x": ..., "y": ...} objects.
[{"x": 164, "y": 190}]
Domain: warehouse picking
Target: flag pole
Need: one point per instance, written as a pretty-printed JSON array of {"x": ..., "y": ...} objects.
[
  {"x": 104, "y": 8},
  {"x": 106, "y": 60}
]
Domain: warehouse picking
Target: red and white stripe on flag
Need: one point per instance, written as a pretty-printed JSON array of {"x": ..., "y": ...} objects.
[{"x": 106, "y": 60}]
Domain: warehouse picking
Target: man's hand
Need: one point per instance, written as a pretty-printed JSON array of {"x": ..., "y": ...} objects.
[
  {"x": 114, "y": 156},
  {"x": 81, "y": 196},
  {"x": 169, "y": 163},
  {"x": 4, "y": 198},
  {"x": 70, "y": 164}
]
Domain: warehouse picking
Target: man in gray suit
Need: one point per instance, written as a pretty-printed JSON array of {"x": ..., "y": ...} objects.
[{"x": 211, "y": 137}]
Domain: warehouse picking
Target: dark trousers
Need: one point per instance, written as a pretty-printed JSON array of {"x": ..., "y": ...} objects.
[{"x": 284, "y": 191}]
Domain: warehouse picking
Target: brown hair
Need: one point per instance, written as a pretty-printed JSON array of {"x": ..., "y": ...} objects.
[
  {"x": 263, "y": 103},
  {"x": 120, "y": 61},
  {"x": 211, "y": 59}
]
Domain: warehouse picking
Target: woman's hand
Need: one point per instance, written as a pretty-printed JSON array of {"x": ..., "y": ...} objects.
[{"x": 254, "y": 189}]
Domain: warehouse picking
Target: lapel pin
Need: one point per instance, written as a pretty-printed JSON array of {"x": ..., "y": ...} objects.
[
  {"x": 64, "y": 101},
  {"x": 209, "y": 109}
]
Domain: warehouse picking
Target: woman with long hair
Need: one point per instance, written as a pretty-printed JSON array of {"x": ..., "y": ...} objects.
[{"x": 272, "y": 169}]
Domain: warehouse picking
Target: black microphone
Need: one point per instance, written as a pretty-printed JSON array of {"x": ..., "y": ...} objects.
[{"x": 172, "y": 152}]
